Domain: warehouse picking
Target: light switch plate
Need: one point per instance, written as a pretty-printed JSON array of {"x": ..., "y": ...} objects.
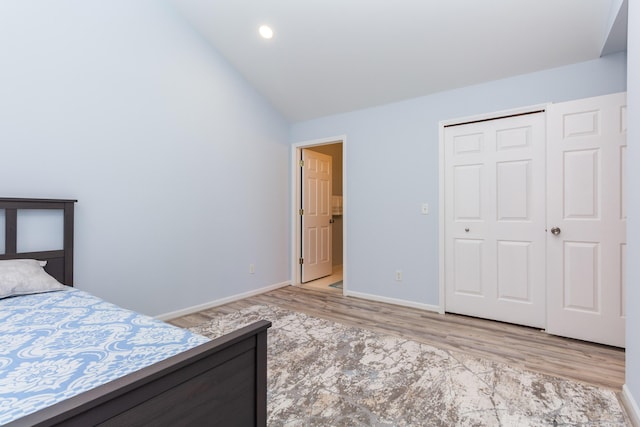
[{"x": 425, "y": 209}]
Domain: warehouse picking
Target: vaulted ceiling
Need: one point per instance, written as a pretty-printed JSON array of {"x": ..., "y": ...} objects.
[{"x": 334, "y": 56}]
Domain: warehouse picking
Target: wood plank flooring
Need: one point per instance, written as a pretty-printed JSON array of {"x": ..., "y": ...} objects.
[{"x": 519, "y": 346}]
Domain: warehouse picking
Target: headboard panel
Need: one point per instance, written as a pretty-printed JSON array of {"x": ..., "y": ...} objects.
[{"x": 59, "y": 262}]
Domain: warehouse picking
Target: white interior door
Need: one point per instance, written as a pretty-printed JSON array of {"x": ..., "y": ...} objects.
[
  {"x": 316, "y": 215},
  {"x": 586, "y": 259},
  {"x": 495, "y": 219}
]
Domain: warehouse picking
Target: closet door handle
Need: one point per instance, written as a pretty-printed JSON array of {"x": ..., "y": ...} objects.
[{"x": 555, "y": 231}]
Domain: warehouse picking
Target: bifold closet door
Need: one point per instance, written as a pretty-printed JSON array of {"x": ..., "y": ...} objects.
[
  {"x": 586, "y": 255},
  {"x": 495, "y": 219}
]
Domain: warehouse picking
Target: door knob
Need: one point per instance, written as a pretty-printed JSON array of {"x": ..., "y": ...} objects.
[{"x": 555, "y": 231}]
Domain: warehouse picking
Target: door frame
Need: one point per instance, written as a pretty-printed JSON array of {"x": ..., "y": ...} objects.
[
  {"x": 296, "y": 185},
  {"x": 441, "y": 184}
]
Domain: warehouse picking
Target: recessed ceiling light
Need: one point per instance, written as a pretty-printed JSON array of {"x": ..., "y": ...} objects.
[{"x": 266, "y": 32}]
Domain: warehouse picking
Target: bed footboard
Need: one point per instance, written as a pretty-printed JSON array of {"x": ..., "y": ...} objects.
[{"x": 222, "y": 382}]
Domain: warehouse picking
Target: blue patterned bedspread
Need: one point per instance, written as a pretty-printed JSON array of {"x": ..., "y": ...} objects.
[{"x": 56, "y": 345}]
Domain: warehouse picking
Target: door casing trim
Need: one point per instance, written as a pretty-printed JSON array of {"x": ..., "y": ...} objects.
[{"x": 296, "y": 150}]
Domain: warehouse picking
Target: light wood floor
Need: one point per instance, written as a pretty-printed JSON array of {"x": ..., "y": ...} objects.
[
  {"x": 324, "y": 282},
  {"x": 515, "y": 345}
]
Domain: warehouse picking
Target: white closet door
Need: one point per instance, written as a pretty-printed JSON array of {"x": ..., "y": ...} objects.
[
  {"x": 585, "y": 262},
  {"x": 495, "y": 219}
]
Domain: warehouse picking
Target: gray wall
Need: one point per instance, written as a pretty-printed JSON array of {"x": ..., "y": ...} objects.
[
  {"x": 392, "y": 167},
  {"x": 179, "y": 166},
  {"x": 633, "y": 208}
]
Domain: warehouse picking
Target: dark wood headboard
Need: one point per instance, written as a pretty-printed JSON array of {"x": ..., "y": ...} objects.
[{"x": 59, "y": 262}]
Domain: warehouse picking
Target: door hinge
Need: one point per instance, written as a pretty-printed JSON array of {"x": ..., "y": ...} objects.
[
  {"x": 301, "y": 163},
  {"x": 301, "y": 261},
  {"x": 301, "y": 212}
]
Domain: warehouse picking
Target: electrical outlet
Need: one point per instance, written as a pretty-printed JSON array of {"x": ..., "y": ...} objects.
[
  {"x": 252, "y": 269},
  {"x": 398, "y": 275}
]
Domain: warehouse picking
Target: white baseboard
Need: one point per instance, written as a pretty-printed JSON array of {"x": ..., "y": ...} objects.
[
  {"x": 222, "y": 301},
  {"x": 396, "y": 301},
  {"x": 631, "y": 406}
]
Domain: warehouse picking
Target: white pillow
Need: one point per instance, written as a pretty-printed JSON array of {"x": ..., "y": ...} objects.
[{"x": 25, "y": 276}]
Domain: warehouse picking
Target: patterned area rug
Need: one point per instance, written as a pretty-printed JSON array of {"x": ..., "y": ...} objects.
[{"x": 322, "y": 373}]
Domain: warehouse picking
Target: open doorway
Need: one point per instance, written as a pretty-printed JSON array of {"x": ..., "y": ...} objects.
[{"x": 304, "y": 256}]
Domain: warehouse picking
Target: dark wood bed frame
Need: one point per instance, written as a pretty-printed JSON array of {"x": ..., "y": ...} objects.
[{"x": 219, "y": 383}]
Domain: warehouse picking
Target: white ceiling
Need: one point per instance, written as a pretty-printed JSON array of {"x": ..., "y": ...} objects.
[{"x": 332, "y": 56}]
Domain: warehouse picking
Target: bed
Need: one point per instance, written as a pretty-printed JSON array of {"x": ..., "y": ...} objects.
[{"x": 217, "y": 382}]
